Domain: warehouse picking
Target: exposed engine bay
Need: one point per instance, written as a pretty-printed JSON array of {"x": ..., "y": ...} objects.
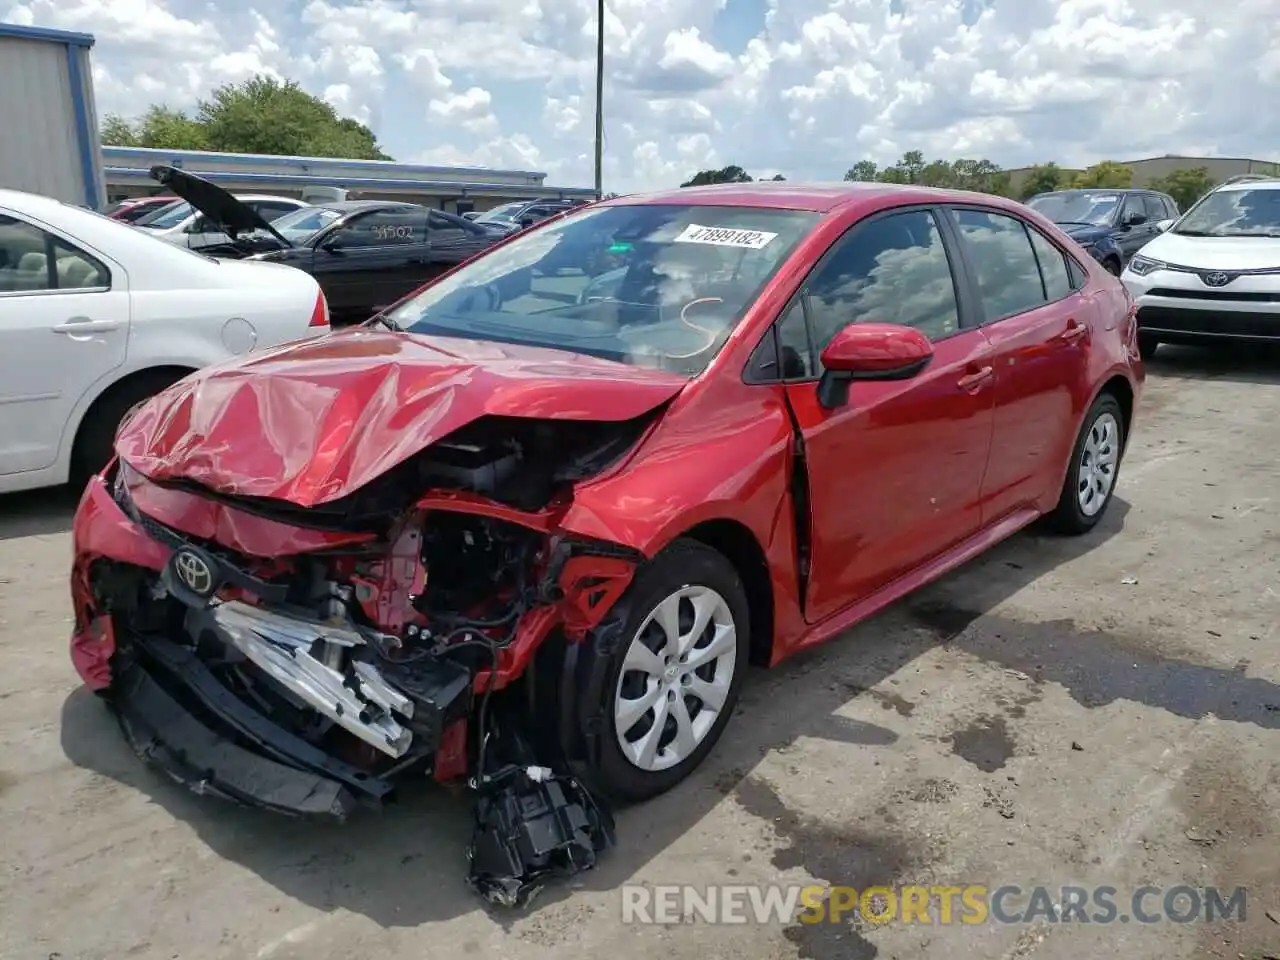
[{"x": 393, "y": 647}]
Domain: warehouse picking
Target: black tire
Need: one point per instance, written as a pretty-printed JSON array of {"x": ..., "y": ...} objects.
[
  {"x": 95, "y": 440},
  {"x": 1068, "y": 518},
  {"x": 685, "y": 563},
  {"x": 1147, "y": 345}
]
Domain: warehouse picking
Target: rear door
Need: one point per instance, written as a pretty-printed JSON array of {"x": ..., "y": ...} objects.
[
  {"x": 1040, "y": 326},
  {"x": 64, "y": 325},
  {"x": 450, "y": 240},
  {"x": 894, "y": 473}
]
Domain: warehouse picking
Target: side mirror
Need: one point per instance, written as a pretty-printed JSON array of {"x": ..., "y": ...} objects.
[
  {"x": 330, "y": 244},
  {"x": 870, "y": 351},
  {"x": 198, "y": 225},
  {"x": 1134, "y": 219},
  {"x": 526, "y": 222},
  {"x": 1164, "y": 225}
]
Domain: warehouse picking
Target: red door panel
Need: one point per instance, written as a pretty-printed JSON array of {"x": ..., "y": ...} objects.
[
  {"x": 895, "y": 474},
  {"x": 1038, "y": 357}
]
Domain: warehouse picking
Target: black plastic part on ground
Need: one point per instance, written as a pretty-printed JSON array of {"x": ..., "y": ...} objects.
[
  {"x": 531, "y": 830},
  {"x": 162, "y": 732}
]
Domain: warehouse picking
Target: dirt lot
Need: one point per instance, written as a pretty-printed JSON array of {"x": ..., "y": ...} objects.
[{"x": 1101, "y": 711}]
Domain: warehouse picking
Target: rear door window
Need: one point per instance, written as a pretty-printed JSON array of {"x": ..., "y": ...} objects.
[{"x": 1004, "y": 262}]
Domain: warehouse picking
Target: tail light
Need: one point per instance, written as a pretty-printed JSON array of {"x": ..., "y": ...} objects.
[{"x": 320, "y": 315}]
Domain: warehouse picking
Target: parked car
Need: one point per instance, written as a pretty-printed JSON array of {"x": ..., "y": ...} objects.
[
  {"x": 135, "y": 208},
  {"x": 1111, "y": 224},
  {"x": 1214, "y": 274},
  {"x": 96, "y": 316},
  {"x": 309, "y": 570},
  {"x": 366, "y": 254},
  {"x": 510, "y": 217},
  {"x": 190, "y": 225}
]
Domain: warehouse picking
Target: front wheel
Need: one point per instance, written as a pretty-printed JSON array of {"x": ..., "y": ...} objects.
[
  {"x": 1095, "y": 466},
  {"x": 674, "y": 680}
]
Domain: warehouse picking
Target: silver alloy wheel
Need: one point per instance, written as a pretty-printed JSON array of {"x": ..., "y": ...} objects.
[
  {"x": 1098, "y": 461},
  {"x": 675, "y": 678}
]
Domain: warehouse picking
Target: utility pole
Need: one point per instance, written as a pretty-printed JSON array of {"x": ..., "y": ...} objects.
[{"x": 599, "y": 99}]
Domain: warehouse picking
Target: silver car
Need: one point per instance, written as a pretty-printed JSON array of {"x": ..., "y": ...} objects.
[{"x": 180, "y": 224}]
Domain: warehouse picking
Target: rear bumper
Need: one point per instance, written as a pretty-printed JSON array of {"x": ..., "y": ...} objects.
[{"x": 177, "y": 716}]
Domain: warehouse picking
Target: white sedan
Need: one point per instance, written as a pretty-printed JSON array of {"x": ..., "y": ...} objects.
[{"x": 96, "y": 316}]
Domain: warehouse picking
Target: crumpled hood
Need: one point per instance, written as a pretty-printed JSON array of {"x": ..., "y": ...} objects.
[{"x": 312, "y": 421}]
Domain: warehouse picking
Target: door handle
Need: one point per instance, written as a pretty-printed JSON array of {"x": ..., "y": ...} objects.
[
  {"x": 974, "y": 381},
  {"x": 78, "y": 326},
  {"x": 1073, "y": 332}
]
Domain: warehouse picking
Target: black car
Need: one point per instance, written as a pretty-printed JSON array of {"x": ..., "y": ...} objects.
[
  {"x": 1112, "y": 225},
  {"x": 366, "y": 254}
]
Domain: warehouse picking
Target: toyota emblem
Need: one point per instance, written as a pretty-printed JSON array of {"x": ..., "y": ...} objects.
[
  {"x": 194, "y": 572},
  {"x": 1217, "y": 279}
]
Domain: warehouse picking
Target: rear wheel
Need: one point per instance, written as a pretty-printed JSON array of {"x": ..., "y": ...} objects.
[
  {"x": 675, "y": 678},
  {"x": 1095, "y": 467},
  {"x": 1147, "y": 345},
  {"x": 95, "y": 440}
]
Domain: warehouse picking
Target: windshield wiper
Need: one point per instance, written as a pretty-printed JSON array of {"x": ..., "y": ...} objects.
[
  {"x": 1197, "y": 233},
  {"x": 386, "y": 321}
]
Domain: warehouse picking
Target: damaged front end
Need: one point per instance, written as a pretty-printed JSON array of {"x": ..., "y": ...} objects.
[{"x": 309, "y": 659}]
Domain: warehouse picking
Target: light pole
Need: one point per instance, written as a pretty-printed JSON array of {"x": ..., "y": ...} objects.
[{"x": 599, "y": 99}]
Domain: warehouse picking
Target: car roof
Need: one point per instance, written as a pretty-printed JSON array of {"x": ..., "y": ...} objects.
[
  {"x": 815, "y": 197},
  {"x": 347, "y": 206},
  {"x": 1101, "y": 190},
  {"x": 1261, "y": 184}
]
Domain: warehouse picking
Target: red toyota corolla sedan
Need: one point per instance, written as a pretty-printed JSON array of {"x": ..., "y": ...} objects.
[{"x": 594, "y": 472}]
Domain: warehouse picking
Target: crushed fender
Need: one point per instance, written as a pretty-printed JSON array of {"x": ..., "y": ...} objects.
[{"x": 533, "y": 826}]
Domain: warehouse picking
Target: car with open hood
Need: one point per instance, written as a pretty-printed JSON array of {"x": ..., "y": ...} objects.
[
  {"x": 1112, "y": 225},
  {"x": 532, "y": 524},
  {"x": 96, "y": 316},
  {"x": 1214, "y": 275},
  {"x": 365, "y": 254},
  {"x": 204, "y": 216}
]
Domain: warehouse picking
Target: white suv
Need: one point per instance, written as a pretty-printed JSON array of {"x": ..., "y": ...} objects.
[{"x": 1214, "y": 273}]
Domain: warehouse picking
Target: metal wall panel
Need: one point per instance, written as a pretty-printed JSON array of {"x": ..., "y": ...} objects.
[{"x": 39, "y": 140}]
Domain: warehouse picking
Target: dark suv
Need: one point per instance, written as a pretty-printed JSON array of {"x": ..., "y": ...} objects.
[
  {"x": 523, "y": 213},
  {"x": 1111, "y": 224}
]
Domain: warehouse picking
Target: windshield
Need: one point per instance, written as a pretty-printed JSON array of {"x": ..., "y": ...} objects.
[
  {"x": 648, "y": 285},
  {"x": 1096, "y": 209},
  {"x": 304, "y": 223},
  {"x": 503, "y": 214},
  {"x": 167, "y": 216},
  {"x": 1234, "y": 213}
]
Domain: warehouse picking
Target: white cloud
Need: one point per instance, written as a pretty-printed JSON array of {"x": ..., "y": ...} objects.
[{"x": 806, "y": 89}]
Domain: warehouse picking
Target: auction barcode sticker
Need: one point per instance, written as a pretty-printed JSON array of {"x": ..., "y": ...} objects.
[{"x": 726, "y": 237}]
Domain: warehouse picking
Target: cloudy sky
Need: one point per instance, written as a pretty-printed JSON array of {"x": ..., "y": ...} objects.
[{"x": 805, "y": 87}]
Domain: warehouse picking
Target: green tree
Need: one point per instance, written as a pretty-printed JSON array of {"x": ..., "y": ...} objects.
[
  {"x": 729, "y": 174},
  {"x": 863, "y": 170},
  {"x": 1185, "y": 186},
  {"x": 1042, "y": 178},
  {"x": 160, "y": 126},
  {"x": 1107, "y": 174},
  {"x": 777, "y": 176},
  {"x": 260, "y": 115}
]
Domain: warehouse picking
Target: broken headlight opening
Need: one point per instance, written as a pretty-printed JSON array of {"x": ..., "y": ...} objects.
[{"x": 310, "y": 685}]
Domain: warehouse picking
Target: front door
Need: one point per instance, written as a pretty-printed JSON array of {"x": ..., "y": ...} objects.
[
  {"x": 894, "y": 473},
  {"x": 64, "y": 324},
  {"x": 1133, "y": 237},
  {"x": 1040, "y": 328},
  {"x": 368, "y": 262}
]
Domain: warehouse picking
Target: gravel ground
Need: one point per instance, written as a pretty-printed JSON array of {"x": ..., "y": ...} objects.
[{"x": 1101, "y": 711}]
